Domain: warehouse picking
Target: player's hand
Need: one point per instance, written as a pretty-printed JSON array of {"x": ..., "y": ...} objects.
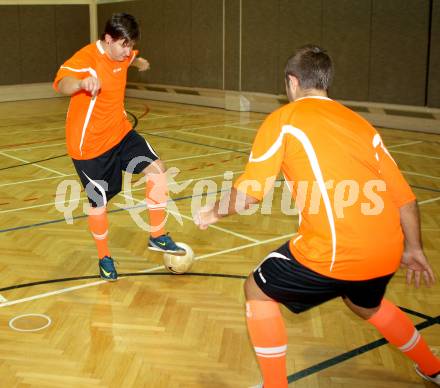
[
  {"x": 142, "y": 64},
  {"x": 91, "y": 85},
  {"x": 205, "y": 216},
  {"x": 417, "y": 266}
]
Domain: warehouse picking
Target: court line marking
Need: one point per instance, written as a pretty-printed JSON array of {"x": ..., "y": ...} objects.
[
  {"x": 82, "y": 199},
  {"x": 418, "y": 174},
  {"x": 190, "y": 219},
  {"x": 36, "y": 180},
  {"x": 82, "y": 286},
  {"x": 238, "y": 127},
  {"x": 32, "y": 164},
  {"x": 124, "y": 191},
  {"x": 203, "y": 127},
  {"x": 35, "y": 147},
  {"x": 174, "y": 116},
  {"x": 58, "y": 144},
  {"x": 166, "y": 161},
  {"x": 405, "y": 144},
  {"x": 11, "y": 322},
  {"x": 57, "y": 292},
  {"x": 35, "y": 130},
  {"x": 218, "y": 138},
  {"x": 429, "y": 200},
  {"x": 204, "y": 155},
  {"x": 184, "y": 130},
  {"x": 416, "y": 155}
]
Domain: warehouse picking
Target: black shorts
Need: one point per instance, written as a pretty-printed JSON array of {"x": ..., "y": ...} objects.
[
  {"x": 281, "y": 277},
  {"x": 102, "y": 176}
]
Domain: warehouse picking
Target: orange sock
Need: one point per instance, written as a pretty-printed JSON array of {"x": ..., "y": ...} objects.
[
  {"x": 268, "y": 335},
  {"x": 157, "y": 197},
  {"x": 398, "y": 329},
  {"x": 98, "y": 225}
]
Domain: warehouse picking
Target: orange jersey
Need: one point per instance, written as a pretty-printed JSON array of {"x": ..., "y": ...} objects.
[
  {"x": 345, "y": 184},
  {"x": 95, "y": 124}
]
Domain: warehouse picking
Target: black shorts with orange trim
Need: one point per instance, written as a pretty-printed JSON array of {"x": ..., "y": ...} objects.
[
  {"x": 102, "y": 176},
  {"x": 281, "y": 277}
]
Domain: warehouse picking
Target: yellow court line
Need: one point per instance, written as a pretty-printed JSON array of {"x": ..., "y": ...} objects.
[{"x": 202, "y": 127}]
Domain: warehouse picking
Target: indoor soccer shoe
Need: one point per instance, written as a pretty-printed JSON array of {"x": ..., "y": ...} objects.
[
  {"x": 107, "y": 269},
  {"x": 164, "y": 244},
  {"x": 433, "y": 379}
]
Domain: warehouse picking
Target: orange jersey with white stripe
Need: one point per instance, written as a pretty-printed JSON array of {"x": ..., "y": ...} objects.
[
  {"x": 345, "y": 184},
  {"x": 95, "y": 124}
]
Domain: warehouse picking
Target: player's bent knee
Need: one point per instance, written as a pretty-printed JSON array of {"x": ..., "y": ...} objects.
[
  {"x": 252, "y": 291},
  {"x": 362, "y": 312},
  {"x": 95, "y": 211},
  {"x": 157, "y": 167}
]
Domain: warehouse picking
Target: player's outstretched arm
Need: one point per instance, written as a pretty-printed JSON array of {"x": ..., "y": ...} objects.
[
  {"x": 141, "y": 63},
  {"x": 72, "y": 85},
  {"x": 413, "y": 257},
  {"x": 229, "y": 204}
]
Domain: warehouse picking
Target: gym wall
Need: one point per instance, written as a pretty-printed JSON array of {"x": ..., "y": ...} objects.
[
  {"x": 37, "y": 39},
  {"x": 384, "y": 50}
]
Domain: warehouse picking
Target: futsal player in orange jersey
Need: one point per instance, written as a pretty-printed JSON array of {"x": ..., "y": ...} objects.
[
  {"x": 351, "y": 238},
  {"x": 100, "y": 139}
]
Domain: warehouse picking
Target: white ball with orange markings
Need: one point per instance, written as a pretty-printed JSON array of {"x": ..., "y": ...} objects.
[{"x": 179, "y": 264}]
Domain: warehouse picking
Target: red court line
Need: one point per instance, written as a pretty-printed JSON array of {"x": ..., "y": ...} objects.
[{"x": 147, "y": 110}]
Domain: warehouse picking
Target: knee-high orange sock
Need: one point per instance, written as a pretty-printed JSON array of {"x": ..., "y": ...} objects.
[
  {"x": 398, "y": 329},
  {"x": 98, "y": 225},
  {"x": 268, "y": 335},
  {"x": 157, "y": 197}
]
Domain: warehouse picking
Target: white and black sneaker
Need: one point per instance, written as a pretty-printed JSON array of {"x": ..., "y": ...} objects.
[
  {"x": 165, "y": 244},
  {"x": 432, "y": 378}
]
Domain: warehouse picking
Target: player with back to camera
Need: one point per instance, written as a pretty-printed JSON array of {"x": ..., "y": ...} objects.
[
  {"x": 353, "y": 255},
  {"x": 100, "y": 139}
]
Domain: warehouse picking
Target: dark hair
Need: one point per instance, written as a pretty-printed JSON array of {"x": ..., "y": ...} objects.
[
  {"x": 122, "y": 26},
  {"x": 312, "y": 66}
]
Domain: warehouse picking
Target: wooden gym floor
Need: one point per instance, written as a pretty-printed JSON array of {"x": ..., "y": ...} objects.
[{"x": 153, "y": 329}]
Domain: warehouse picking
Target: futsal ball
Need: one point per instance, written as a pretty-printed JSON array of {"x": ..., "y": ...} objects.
[{"x": 179, "y": 264}]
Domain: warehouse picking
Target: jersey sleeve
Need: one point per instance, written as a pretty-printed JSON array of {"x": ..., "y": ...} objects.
[
  {"x": 80, "y": 66},
  {"x": 396, "y": 184},
  {"x": 265, "y": 159}
]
